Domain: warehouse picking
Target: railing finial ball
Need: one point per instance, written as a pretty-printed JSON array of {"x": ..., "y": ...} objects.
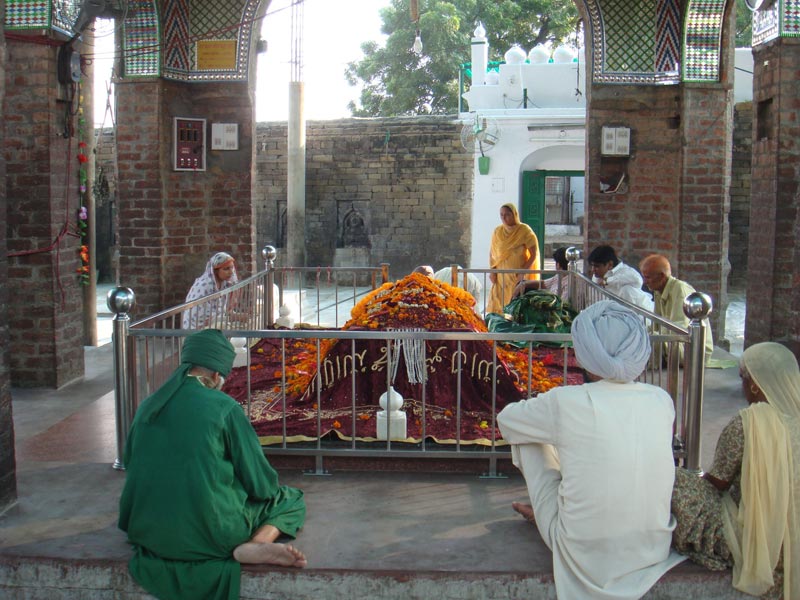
[
  {"x": 120, "y": 300},
  {"x": 269, "y": 253},
  {"x": 572, "y": 253},
  {"x": 697, "y": 305}
]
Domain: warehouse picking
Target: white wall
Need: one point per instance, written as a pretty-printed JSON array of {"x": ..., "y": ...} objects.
[{"x": 519, "y": 149}]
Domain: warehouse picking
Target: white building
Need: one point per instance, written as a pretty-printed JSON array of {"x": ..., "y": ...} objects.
[{"x": 527, "y": 118}]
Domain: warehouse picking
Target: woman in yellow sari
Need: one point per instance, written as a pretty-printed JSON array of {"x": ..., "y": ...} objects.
[{"x": 514, "y": 246}]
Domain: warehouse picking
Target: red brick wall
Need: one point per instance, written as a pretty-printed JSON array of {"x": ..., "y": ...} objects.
[
  {"x": 739, "y": 217},
  {"x": 645, "y": 218},
  {"x": 8, "y": 479},
  {"x": 773, "y": 292},
  {"x": 171, "y": 222},
  {"x": 46, "y": 341},
  {"x": 675, "y": 199},
  {"x": 707, "y": 132}
]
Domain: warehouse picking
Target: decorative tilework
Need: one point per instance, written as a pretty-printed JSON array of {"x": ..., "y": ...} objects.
[
  {"x": 630, "y": 35},
  {"x": 766, "y": 24},
  {"x": 791, "y": 18},
  {"x": 634, "y": 42},
  {"x": 702, "y": 40},
  {"x": 177, "y": 36},
  {"x": 65, "y": 13},
  {"x": 208, "y": 20},
  {"x": 668, "y": 37},
  {"x": 59, "y": 15},
  {"x": 142, "y": 40},
  {"x": 27, "y": 14}
]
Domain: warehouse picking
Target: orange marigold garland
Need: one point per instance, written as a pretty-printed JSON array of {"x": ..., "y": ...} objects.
[{"x": 416, "y": 301}]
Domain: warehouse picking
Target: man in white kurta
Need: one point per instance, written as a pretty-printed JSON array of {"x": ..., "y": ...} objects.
[{"x": 597, "y": 461}]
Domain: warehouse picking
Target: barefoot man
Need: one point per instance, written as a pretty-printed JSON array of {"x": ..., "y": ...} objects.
[
  {"x": 597, "y": 461},
  {"x": 200, "y": 498}
]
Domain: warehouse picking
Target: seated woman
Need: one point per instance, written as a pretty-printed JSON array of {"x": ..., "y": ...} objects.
[
  {"x": 220, "y": 274},
  {"x": 745, "y": 511},
  {"x": 558, "y": 284}
]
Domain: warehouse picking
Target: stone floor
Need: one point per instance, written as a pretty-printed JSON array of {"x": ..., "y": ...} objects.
[{"x": 370, "y": 534}]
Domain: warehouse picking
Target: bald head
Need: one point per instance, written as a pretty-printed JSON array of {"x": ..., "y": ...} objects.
[{"x": 655, "y": 271}]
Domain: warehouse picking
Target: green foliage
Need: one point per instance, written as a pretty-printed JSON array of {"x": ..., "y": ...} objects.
[
  {"x": 398, "y": 82},
  {"x": 744, "y": 25}
]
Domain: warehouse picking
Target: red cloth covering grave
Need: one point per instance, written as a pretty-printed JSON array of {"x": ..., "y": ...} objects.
[{"x": 414, "y": 302}]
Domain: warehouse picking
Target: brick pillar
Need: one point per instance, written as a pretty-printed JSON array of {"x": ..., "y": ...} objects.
[
  {"x": 739, "y": 217},
  {"x": 674, "y": 201},
  {"x": 45, "y": 308},
  {"x": 773, "y": 286},
  {"x": 8, "y": 478},
  {"x": 642, "y": 218},
  {"x": 707, "y": 132},
  {"x": 171, "y": 222}
]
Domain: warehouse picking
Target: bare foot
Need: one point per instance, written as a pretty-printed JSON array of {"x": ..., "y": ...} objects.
[
  {"x": 270, "y": 553},
  {"x": 526, "y": 510}
]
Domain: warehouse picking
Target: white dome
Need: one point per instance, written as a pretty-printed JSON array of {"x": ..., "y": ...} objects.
[
  {"x": 492, "y": 78},
  {"x": 538, "y": 55},
  {"x": 563, "y": 54},
  {"x": 480, "y": 31},
  {"x": 515, "y": 55}
]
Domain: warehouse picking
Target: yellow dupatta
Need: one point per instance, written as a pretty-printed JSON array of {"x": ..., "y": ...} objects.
[
  {"x": 504, "y": 251},
  {"x": 767, "y": 518}
]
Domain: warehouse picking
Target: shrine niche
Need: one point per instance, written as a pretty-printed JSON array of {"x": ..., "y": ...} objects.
[
  {"x": 353, "y": 247},
  {"x": 353, "y": 231}
]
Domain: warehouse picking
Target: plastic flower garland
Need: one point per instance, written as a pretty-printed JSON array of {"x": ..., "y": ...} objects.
[
  {"x": 83, "y": 214},
  {"x": 83, "y": 270}
]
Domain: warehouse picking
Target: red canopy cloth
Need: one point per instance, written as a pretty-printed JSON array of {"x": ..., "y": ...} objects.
[{"x": 455, "y": 402}]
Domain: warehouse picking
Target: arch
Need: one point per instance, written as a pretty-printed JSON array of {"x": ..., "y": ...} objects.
[{"x": 353, "y": 232}]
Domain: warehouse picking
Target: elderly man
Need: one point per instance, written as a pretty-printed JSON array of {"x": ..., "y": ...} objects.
[
  {"x": 597, "y": 461},
  {"x": 618, "y": 278},
  {"x": 670, "y": 293},
  {"x": 200, "y": 497},
  {"x": 474, "y": 286}
]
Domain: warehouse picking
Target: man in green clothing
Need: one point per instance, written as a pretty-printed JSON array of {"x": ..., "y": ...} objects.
[
  {"x": 200, "y": 498},
  {"x": 669, "y": 294}
]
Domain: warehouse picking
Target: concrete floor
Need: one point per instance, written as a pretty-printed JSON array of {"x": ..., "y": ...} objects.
[{"x": 368, "y": 535}]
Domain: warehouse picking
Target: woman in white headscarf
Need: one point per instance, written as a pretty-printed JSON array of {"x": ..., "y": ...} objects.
[
  {"x": 597, "y": 461},
  {"x": 745, "y": 511},
  {"x": 220, "y": 274}
]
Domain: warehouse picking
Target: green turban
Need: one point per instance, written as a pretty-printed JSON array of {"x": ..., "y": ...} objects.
[
  {"x": 207, "y": 348},
  {"x": 210, "y": 349}
]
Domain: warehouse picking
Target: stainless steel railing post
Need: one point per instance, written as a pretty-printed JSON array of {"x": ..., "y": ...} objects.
[
  {"x": 269, "y": 253},
  {"x": 697, "y": 307},
  {"x": 121, "y": 300},
  {"x": 573, "y": 255}
]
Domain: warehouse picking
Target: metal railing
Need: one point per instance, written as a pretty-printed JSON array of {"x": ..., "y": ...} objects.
[{"x": 147, "y": 352}]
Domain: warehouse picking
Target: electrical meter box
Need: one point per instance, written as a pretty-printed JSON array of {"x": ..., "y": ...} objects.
[{"x": 189, "y": 144}]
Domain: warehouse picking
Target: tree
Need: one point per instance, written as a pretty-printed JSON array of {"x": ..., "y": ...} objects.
[
  {"x": 399, "y": 82},
  {"x": 744, "y": 25}
]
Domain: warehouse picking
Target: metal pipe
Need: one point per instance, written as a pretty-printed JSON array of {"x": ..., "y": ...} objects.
[
  {"x": 697, "y": 307},
  {"x": 269, "y": 253},
  {"x": 121, "y": 300}
]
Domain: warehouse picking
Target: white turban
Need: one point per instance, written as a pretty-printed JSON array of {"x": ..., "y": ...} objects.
[{"x": 611, "y": 341}]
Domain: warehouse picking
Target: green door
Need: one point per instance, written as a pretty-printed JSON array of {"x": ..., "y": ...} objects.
[
  {"x": 534, "y": 200},
  {"x": 533, "y": 204}
]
